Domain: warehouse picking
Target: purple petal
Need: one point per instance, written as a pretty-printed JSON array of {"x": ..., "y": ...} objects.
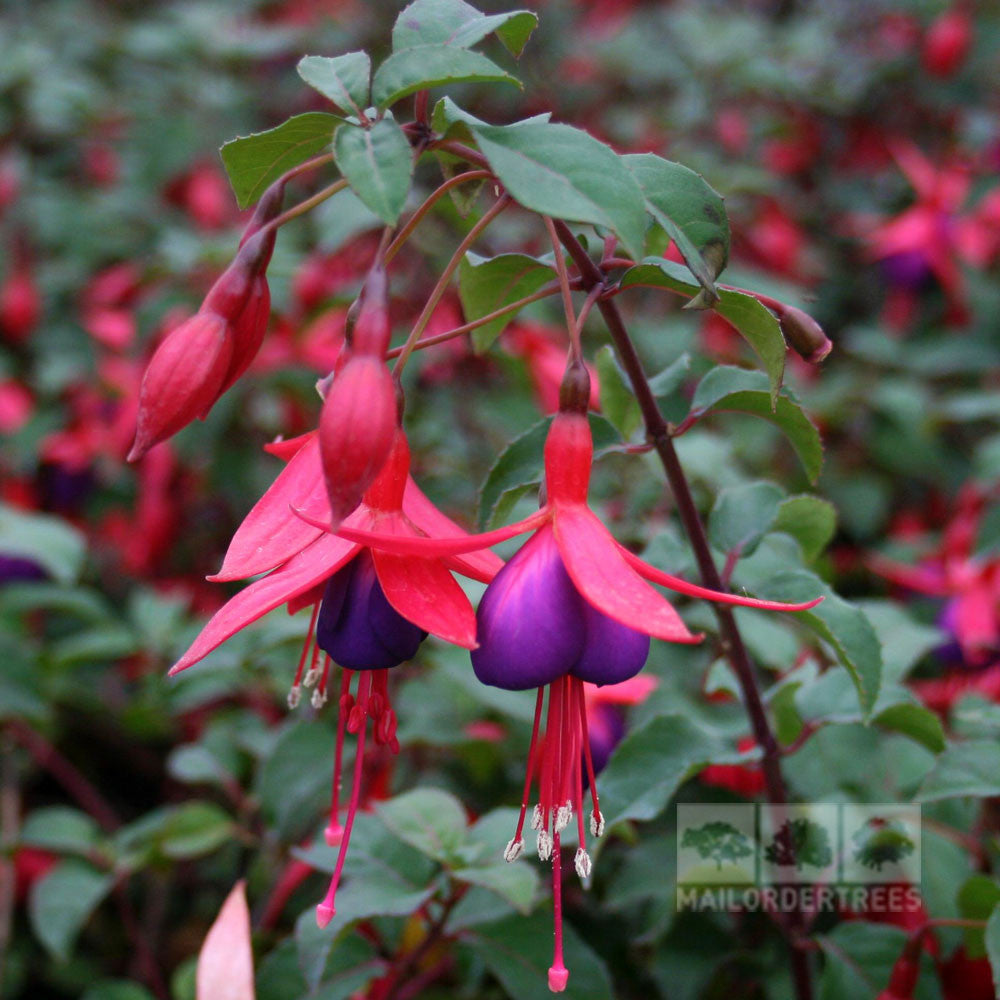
[
  {"x": 358, "y": 627},
  {"x": 530, "y": 620},
  {"x": 612, "y": 652}
]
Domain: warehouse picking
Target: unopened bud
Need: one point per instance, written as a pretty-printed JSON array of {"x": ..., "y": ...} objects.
[
  {"x": 372, "y": 329},
  {"x": 574, "y": 390},
  {"x": 183, "y": 379},
  {"x": 804, "y": 335},
  {"x": 356, "y": 431}
]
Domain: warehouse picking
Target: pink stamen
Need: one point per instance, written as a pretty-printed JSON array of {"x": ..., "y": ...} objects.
[
  {"x": 585, "y": 734},
  {"x": 532, "y": 754},
  {"x": 305, "y": 648},
  {"x": 334, "y": 831},
  {"x": 327, "y": 909},
  {"x": 558, "y": 973}
]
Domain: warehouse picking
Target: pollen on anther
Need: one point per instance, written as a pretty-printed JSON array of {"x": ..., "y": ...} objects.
[
  {"x": 544, "y": 845},
  {"x": 294, "y": 696},
  {"x": 513, "y": 850},
  {"x": 312, "y": 675},
  {"x": 536, "y": 818},
  {"x": 596, "y": 824},
  {"x": 318, "y": 698},
  {"x": 563, "y": 815},
  {"x": 583, "y": 864}
]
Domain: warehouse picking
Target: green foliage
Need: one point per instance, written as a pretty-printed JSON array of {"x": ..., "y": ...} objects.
[
  {"x": 253, "y": 162},
  {"x": 377, "y": 163}
]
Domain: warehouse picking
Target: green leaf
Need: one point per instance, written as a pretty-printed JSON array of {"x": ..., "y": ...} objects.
[
  {"x": 915, "y": 721},
  {"x": 859, "y": 961},
  {"x": 334, "y": 966},
  {"x": 487, "y": 284},
  {"x": 977, "y": 898},
  {"x": 562, "y": 171},
  {"x": 521, "y": 463},
  {"x": 48, "y": 541},
  {"x": 652, "y": 762},
  {"x": 291, "y": 795},
  {"x": 690, "y": 210},
  {"x": 617, "y": 399},
  {"x": 518, "y": 951},
  {"x": 739, "y": 389},
  {"x": 60, "y": 829},
  {"x": 425, "y": 66},
  {"x": 194, "y": 829},
  {"x": 809, "y": 520},
  {"x": 742, "y": 515},
  {"x": 255, "y": 161},
  {"x": 429, "y": 819},
  {"x": 378, "y": 164},
  {"x": 515, "y": 883},
  {"x": 62, "y": 901},
  {"x": 755, "y": 323},
  {"x": 343, "y": 79},
  {"x": 454, "y": 22},
  {"x": 971, "y": 768},
  {"x": 382, "y": 875},
  {"x": 837, "y": 622},
  {"x": 116, "y": 989},
  {"x": 992, "y": 941}
]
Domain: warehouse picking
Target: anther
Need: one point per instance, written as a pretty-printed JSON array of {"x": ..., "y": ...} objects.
[
  {"x": 513, "y": 850},
  {"x": 312, "y": 675},
  {"x": 536, "y": 818},
  {"x": 294, "y": 696},
  {"x": 563, "y": 815},
  {"x": 583, "y": 863},
  {"x": 544, "y": 845},
  {"x": 596, "y": 824},
  {"x": 318, "y": 698}
]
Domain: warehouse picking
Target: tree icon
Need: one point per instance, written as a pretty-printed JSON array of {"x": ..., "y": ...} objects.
[
  {"x": 880, "y": 842},
  {"x": 719, "y": 841},
  {"x": 800, "y": 842}
]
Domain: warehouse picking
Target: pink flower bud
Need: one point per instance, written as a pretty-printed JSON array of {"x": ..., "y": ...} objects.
[
  {"x": 20, "y": 304},
  {"x": 947, "y": 42},
  {"x": 249, "y": 330},
  {"x": 372, "y": 329},
  {"x": 183, "y": 379},
  {"x": 356, "y": 431}
]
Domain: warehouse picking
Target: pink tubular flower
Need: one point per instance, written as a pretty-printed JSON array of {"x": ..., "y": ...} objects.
[
  {"x": 971, "y": 584},
  {"x": 371, "y": 609},
  {"x": 360, "y": 414},
  {"x": 570, "y": 606},
  {"x": 199, "y": 360}
]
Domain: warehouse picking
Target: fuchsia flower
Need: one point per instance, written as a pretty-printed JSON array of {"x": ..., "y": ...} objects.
[
  {"x": 358, "y": 424},
  {"x": 200, "y": 359},
  {"x": 927, "y": 239},
  {"x": 571, "y": 606},
  {"x": 971, "y": 584},
  {"x": 371, "y": 609}
]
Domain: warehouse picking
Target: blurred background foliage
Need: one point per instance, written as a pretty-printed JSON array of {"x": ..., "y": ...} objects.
[{"x": 858, "y": 153}]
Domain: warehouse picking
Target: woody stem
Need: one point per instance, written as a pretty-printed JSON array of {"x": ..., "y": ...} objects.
[{"x": 733, "y": 646}]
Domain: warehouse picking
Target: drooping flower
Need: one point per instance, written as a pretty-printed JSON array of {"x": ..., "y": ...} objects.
[
  {"x": 571, "y": 606},
  {"x": 370, "y": 609},
  {"x": 202, "y": 357},
  {"x": 360, "y": 412},
  {"x": 969, "y": 583}
]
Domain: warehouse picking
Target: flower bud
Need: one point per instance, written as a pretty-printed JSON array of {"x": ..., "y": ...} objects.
[
  {"x": 356, "y": 431},
  {"x": 248, "y": 330},
  {"x": 804, "y": 335},
  {"x": 574, "y": 391},
  {"x": 183, "y": 379},
  {"x": 947, "y": 42},
  {"x": 20, "y": 304},
  {"x": 371, "y": 331}
]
